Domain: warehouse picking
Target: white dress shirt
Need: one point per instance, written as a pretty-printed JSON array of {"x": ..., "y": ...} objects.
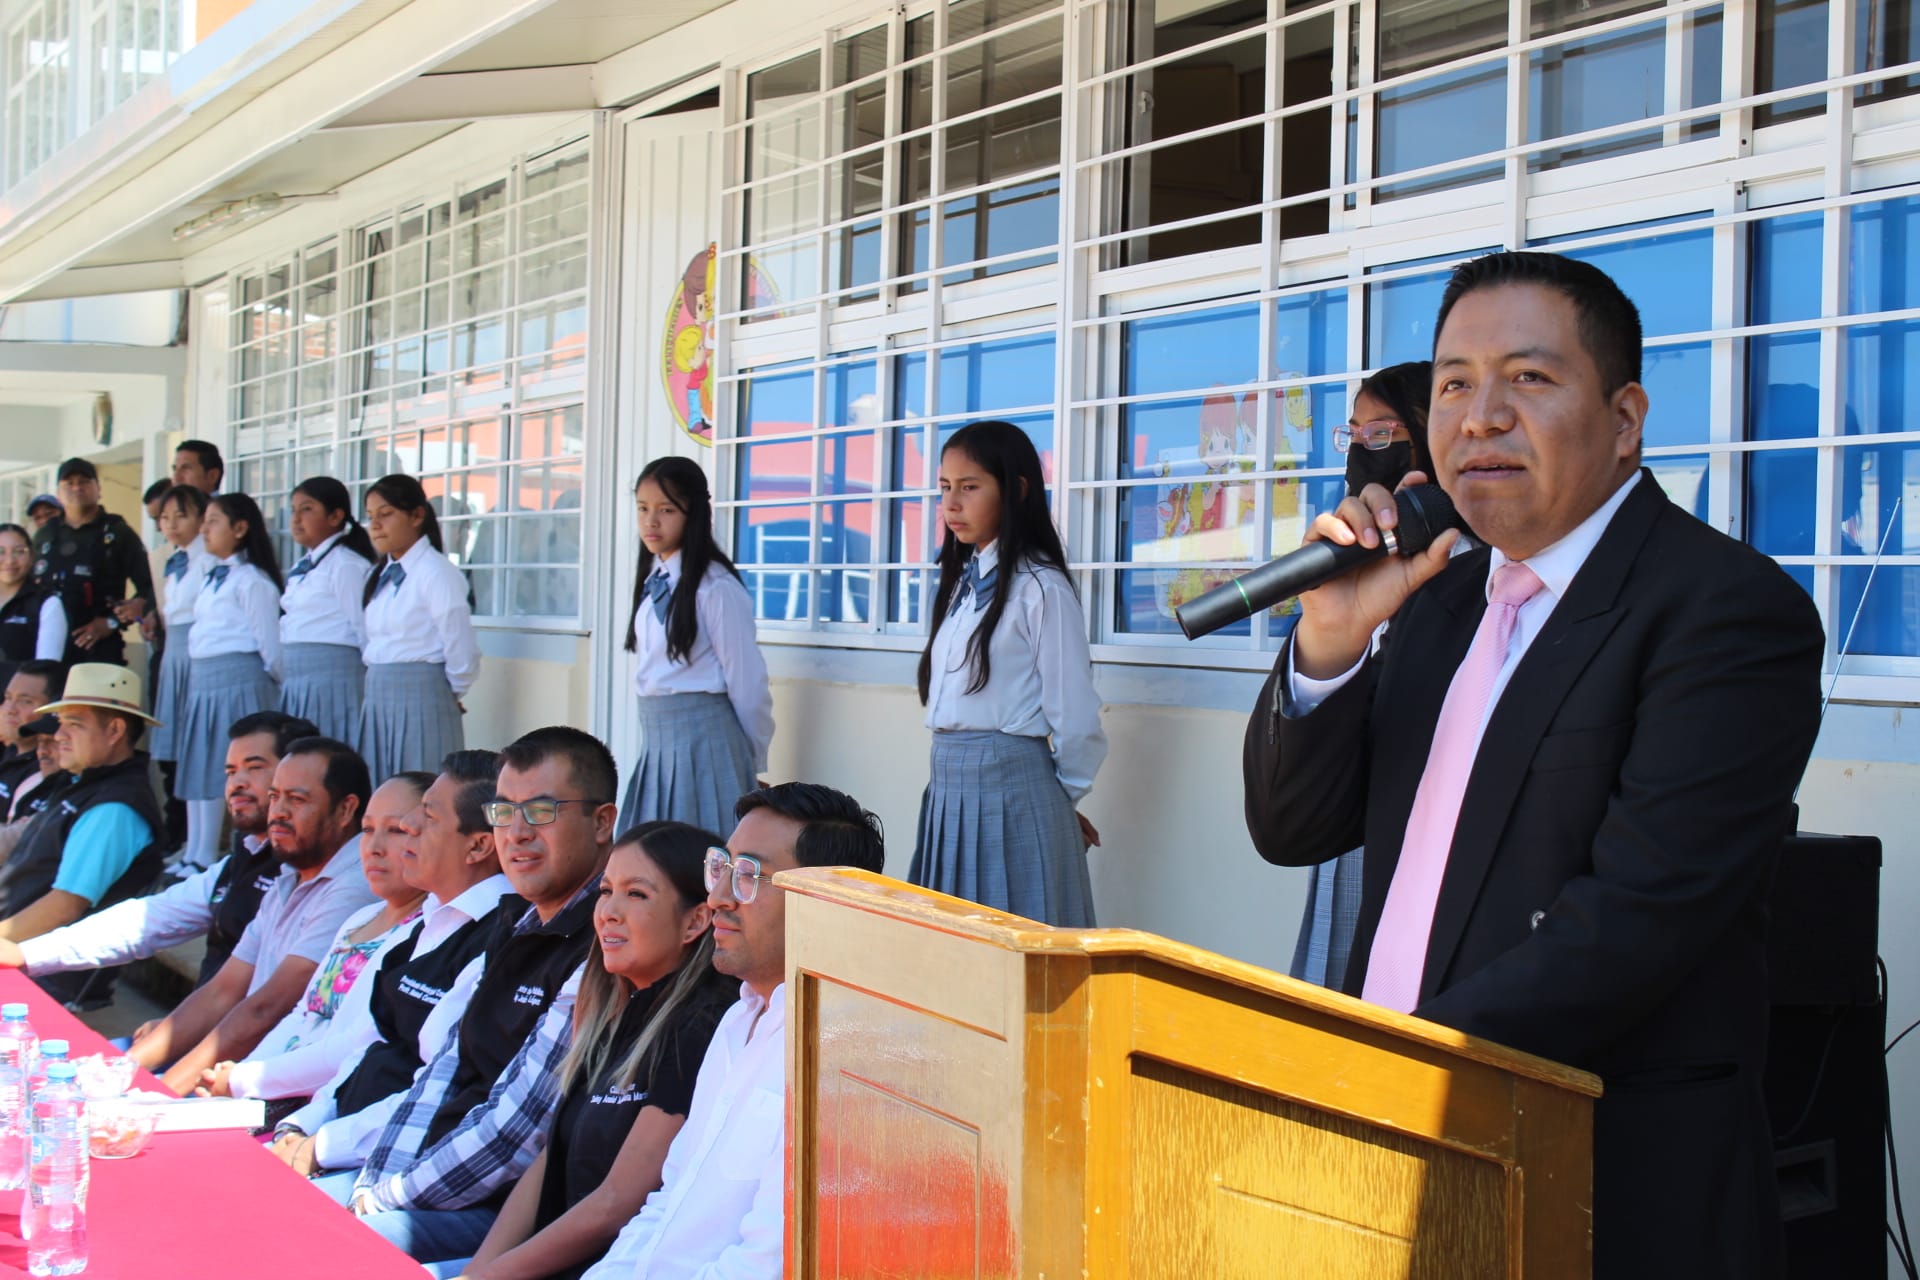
[
  {"x": 178, "y": 594},
  {"x": 323, "y": 605},
  {"x": 1042, "y": 681},
  {"x": 720, "y": 1209},
  {"x": 424, "y": 619},
  {"x": 240, "y": 615},
  {"x": 346, "y": 1141},
  {"x": 298, "y": 918},
  {"x": 1555, "y": 566},
  {"x": 725, "y": 657}
]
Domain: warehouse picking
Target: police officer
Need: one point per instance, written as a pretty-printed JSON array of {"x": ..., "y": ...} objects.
[{"x": 89, "y": 556}]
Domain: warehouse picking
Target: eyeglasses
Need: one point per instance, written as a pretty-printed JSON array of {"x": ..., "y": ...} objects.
[
  {"x": 538, "y": 813},
  {"x": 745, "y": 869},
  {"x": 1377, "y": 434}
]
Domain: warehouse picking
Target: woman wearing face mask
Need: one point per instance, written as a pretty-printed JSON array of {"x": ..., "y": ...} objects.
[{"x": 1384, "y": 439}]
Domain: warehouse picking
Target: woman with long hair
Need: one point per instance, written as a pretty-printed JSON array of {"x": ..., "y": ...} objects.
[
  {"x": 648, "y": 1004},
  {"x": 1008, "y": 686},
  {"x": 420, "y": 651},
  {"x": 233, "y": 652},
  {"x": 706, "y": 712},
  {"x": 323, "y": 610},
  {"x": 182, "y": 508},
  {"x": 33, "y": 622}
]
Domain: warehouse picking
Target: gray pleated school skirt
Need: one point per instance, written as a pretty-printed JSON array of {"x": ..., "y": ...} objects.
[
  {"x": 408, "y": 720},
  {"x": 220, "y": 690},
  {"x": 997, "y": 828},
  {"x": 170, "y": 696},
  {"x": 324, "y": 683},
  {"x": 694, "y": 762}
]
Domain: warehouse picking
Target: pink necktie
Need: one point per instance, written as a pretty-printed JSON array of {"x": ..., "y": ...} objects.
[{"x": 1399, "y": 954}]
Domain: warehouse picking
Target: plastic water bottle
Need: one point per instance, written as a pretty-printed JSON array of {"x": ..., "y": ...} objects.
[
  {"x": 51, "y": 1051},
  {"x": 54, "y": 1219},
  {"x": 19, "y": 1054}
]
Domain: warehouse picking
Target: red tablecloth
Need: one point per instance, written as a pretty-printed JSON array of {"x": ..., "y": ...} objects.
[{"x": 199, "y": 1206}]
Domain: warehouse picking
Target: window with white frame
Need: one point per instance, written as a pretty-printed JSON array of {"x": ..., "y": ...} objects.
[
  {"x": 446, "y": 340},
  {"x": 1253, "y": 205},
  {"x": 39, "y": 86}
]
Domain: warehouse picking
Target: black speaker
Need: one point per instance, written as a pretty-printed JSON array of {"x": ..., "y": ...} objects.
[{"x": 1825, "y": 1082}]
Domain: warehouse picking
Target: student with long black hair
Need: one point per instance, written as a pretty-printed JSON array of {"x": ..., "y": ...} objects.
[
  {"x": 33, "y": 621},
  {"x": 706, "y": 712},
  {"x": 420, "y": 651},
  {"x": 178, "y": 582},
  {"x": 323, "y": 610},
  {"x": 233, "y": 652},
  {"x": 1008, "y": 685}
]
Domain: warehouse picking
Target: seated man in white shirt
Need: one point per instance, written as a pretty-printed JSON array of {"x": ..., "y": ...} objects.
[
  {"x": 719, "y": 1209},
  {"x": 313, "y": 821}
]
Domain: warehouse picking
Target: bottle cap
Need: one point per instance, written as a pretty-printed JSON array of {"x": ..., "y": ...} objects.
[
  {"x": 53, "y": 1048},
  {"x": 13, "y": 1011},
  {"x": 60, "y": 1071}
]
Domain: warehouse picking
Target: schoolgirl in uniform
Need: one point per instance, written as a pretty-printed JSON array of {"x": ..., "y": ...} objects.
[
  {"x": 421, "y": 654},
  {"x": 1005, "y": 672},
  {"x": 323, "y": 612},
  {"x": 182, "y": 508},
  {"x": 33, "y": 622},
  {"x": 706, "y": 713},
  {"x": 233, "y": 650}
]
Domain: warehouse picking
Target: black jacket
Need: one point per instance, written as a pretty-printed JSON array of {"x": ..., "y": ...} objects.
[{"x": 90, "y": 567}]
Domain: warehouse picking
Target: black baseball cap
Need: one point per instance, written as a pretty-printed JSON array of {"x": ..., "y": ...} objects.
[
  {"x": 42, "y": 725},
  {"x": 44, "y": 500},
  {"x": 78, "y": 467}
]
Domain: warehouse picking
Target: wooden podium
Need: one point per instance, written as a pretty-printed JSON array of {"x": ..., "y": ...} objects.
[{"x": 977, "y": 1095}]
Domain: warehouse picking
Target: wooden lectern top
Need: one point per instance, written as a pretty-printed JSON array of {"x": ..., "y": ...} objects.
[{"x": 976, "y": 1094}]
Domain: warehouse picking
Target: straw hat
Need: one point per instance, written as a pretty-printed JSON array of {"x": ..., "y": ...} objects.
[{"x": 102, "y": 685}]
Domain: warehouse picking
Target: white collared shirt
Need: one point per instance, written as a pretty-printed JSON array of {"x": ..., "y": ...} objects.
[
  {"x": 720, "y": 1209},
  {"x": 1555, "y": 566},
  {"x": 323, "y": 605},
  {"x": 240, "y": 615},
  {"x": 1042, "y": 679},
  {"x": 725, "y": 657},
  {"x": 178, "y": 594},
  {"x": 298, "y": 918},
  {"x": 425, "y": 619}
]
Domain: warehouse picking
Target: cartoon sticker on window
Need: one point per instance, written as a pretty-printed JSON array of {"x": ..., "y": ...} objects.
[{"x": 687, "y": 354}]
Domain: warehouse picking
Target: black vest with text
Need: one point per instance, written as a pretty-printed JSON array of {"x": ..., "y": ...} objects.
[
  {"x": 20, "y": 624},
  {"x": 524, "y": 973},
  {"x": 35, "y": 863},
  {"x": 243, "y": 881},
  {"x": 405, "y": 993},
  {"x": 16, "y": 766}
]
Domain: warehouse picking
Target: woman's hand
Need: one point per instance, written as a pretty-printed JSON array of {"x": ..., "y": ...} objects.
[
  {"x": 213, "y": 1081},
  {"x": 1088, "y": 832}
]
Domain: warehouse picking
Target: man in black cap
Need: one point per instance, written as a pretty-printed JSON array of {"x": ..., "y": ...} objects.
[
  {"x": 43, "y": 508},
  {"x": 89, "y": 557}
]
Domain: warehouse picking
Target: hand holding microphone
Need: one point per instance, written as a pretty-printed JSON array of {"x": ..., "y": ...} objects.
[{"x": 1346, "y": 574}]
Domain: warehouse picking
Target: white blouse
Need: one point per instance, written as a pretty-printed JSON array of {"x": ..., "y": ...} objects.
[
  {"x": 240, "y": 615},
  {"x": 1042, "y": 680},
  {"x": 725, "y": 657},
  {"x": 178, "y": 594},
  {"x": 425, "y": 619},
  {"x": 322, "y": 605}
]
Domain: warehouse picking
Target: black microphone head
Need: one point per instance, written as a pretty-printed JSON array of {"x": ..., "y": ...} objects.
[{"x": 1425, "y": 513}]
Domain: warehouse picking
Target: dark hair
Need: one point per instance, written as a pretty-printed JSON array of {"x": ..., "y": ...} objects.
[
  {"x": 835, "y": 830},
  {"x": 586, "y": 757},
  {"x": 677, "y": 848},
  {"x": 1406, "y": 390},
  {"x": 418, "y": 779},
  {"x": 10, "y": 527},
  {"x": 332, "y": 496},
  {"x": 77, "y": 467},
  {"x": 190, "y": 499},
  {"x": 52, "y": 670},
  {"x": 476, "y": 771},
  {"x": 405, "y": 494},
  {"x": 258, "y": 547},
  {"x": 346, "y": 773},
  {"x": 1609, "y": 322},
  {"x": 1026, "y": 538},
  {"x": 155, "y": 491},
  {"x": 685, "y": 485},
  {"x": 207, "y": 453},
  {"x": 286, "y": 729}
]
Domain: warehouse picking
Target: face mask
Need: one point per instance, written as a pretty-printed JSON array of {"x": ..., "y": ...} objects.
[{"x": 1383, "y": 467}]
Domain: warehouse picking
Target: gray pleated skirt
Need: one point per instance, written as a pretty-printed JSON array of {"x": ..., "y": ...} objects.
[
  {"x": 170, "y": 696},
  {"x": 408, "y": 720},
  {"x": 694, "y": 762},
  {"x": 997, "y": 828},
  {"x": 324, "y": 683},
  {"x": 220, "y": 690}
]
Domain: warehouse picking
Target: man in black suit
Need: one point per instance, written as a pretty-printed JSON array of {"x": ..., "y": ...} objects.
[{"x": 1579, "y": 867}]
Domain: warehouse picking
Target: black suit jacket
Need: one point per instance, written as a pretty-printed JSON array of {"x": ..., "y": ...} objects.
[{"x": 1604, "y": 900}]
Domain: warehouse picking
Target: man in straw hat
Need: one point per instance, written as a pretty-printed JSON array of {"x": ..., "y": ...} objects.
[{"x": 97, "y": 843}]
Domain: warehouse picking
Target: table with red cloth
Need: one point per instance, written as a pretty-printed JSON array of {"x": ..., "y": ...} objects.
[{"x": 213, "y": 1205}]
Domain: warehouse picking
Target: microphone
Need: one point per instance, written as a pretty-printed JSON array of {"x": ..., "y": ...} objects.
[{"x": 1425, "y": 513}]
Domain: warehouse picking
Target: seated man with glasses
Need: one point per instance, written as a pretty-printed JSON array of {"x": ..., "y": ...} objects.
[
  {"x": 720, "y": 1207},
  {"x": 472, "y": 1120}
]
